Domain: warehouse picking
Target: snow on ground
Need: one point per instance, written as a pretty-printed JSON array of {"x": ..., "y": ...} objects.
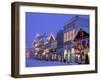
[{"x": 39, "y": 63}]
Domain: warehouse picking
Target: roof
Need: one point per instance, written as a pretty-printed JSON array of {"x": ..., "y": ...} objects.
[
  {"x": 76, "y": 35},
  {"x": 81, "y": 33},
  {"x": 51, "y": 37},
  {"x": 78, "y": 22}
]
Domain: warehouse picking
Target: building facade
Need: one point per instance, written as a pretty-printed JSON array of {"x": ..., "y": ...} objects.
[
  {"x": 70, "y": 45},
  {"x": 44, "y": 46},
  {"x": 76, "y": 41}
]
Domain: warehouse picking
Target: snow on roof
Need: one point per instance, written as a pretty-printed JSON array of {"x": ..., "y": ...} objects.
[
  {"x": 78, "y": 22},
  {"x": 37, "y": 35},
  {"x": 51, "y": 36}
]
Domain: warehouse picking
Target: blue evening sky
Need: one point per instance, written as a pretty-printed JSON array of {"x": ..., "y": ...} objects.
[{"x": 45, "y": 23}]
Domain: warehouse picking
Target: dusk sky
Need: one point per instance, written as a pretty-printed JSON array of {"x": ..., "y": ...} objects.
[{"x": 47, "y": 23}]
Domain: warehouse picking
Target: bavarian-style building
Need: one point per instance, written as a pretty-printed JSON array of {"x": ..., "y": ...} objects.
[{"x": 76, "y": 40}]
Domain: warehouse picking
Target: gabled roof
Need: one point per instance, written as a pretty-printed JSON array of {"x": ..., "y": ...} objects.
[
  {"x": 77, "y": 35},
  {"x": 51, "y": 37},
  {"x": 78, "y": 22},
  {"x": 81, "y": 34}
]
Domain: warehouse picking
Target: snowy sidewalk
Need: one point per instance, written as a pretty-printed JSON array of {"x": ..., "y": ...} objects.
[{"x": 38, "y": 63}]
